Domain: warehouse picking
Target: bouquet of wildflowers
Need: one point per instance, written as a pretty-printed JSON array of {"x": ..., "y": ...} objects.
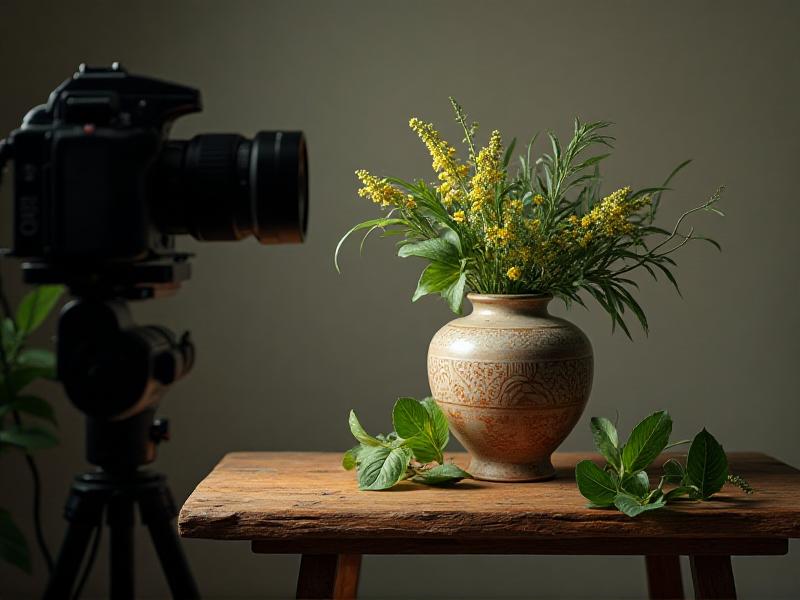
[{"x": 547, "y": 229}]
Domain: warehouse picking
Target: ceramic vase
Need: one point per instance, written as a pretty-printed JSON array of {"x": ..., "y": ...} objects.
[{"x": 513, "y": 381}]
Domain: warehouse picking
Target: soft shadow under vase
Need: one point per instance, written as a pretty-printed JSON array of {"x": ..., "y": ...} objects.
[{"x": 513, "y": 381}]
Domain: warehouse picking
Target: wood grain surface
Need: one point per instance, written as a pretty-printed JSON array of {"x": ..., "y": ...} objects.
[{"x": 297, "y": 496}]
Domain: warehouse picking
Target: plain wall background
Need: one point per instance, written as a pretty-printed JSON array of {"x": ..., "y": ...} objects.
[{"x": 287, "y": 346}]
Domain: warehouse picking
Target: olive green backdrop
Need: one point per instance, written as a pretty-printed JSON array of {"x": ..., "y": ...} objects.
[{"x": 287, "y": 346}]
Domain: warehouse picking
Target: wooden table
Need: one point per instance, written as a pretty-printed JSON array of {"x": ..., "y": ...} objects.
[{"x": 305, "y": 503}]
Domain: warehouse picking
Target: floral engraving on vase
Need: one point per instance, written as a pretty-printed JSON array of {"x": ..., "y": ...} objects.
[{"x": 510, "y": 384}]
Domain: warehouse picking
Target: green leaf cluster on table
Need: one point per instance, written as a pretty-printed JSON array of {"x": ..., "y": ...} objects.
[
  {"x": 542, "y": 228},
  {"x": 624, "y": 482},
  {"x": 414, "y": 450},
  {"x": 20, "y": 366}
]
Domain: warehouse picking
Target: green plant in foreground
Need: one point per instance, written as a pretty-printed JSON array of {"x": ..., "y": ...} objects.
[
  {"x": 20, "y": 366},
  {"x": 624, "y": 482},
  {"x": 414, "y": 450},
  {"x": 544, "y": 229}
]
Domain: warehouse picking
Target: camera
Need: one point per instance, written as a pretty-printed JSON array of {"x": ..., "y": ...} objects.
[{"x": 100, "y": 191}]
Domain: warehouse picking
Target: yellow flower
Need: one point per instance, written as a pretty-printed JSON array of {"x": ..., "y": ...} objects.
[
  {"x": 459, "y": 216},
  {"x": 410, "y": 202},
  {"x": 611, "y": 214},
  {"x": 515, "y": 206},
  {"x": 573, "y": 219},
  {"x": 498, "y": 235},
  {"x": 514, "y": 273},
  {"x": 488, "y": 173},
  {"x": 378, "y": 190},
  {"x": 444, "y": 161},
  {"x": 538, "y": 199}
]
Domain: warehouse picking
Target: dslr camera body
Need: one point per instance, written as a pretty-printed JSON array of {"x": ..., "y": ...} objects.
[
  {"x": 99, "y": 194},
  {"x": 100, "y": 191}
]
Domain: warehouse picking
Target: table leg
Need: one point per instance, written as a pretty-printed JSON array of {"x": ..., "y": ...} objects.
[
  {"x": 328, "y": 576},
  {"x": 713, "y": 578},
  {"x": 664, "y": 580}
]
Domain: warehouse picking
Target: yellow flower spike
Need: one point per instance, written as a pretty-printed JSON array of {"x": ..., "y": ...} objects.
[
  {"x": 380, "y": 191},
  {"x": 538, "y": 199},
  {"x": 514, "y": 273},
  {"x": 459, "y": 216},
  {"x": 488, "y": 173}
]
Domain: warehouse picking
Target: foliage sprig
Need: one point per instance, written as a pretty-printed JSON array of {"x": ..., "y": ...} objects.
[
  {"x": 624, "y": 483},
  {"x": 545, "y": 229},
  {"x": 20, "y": 366},
  {"x": 414, "y": 450}
]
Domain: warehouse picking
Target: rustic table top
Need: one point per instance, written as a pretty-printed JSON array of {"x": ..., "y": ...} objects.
[{"x": 284, "y": 497}]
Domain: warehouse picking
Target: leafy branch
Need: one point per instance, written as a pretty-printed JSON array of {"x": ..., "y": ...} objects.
[
  {"x": 624, "y": 483},
  {"x": 21, "y": 366},
  {"x": 547, "y": 229},
  {"x": 414, "y": 450}
]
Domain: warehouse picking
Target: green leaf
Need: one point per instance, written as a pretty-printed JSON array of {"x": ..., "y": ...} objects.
[
  {"x": 350, "y": 458},
  {"x": 28, "y": 438},
  {"x": 360, "y": 433},
  {"x": 646, "y": 441},
  {"x": 31, "y": 405},
  {"x": 452, "y": 236},
  {"x": 39, "y": 358},
  {"x": 631, "y": 506},
  {"x": 509, "y": 151},
  {"x": 605, "y": 440},
  {"x": 382, "y": 222},
  {"x": 8, "y": 333},
  {"x": 595, "y": 484},
  {"x": 13, "y": 547},
  {"x": 707, "y": 465},
  {"x": 441, "y": 430},
  {"x": 454, "y": 295},
  {"x": 380, "y": 468},
  {"x": 414, "y": 423},
  {"x": 437, "y": 277},
  {"x": 35, "y": 306},
  {"x": 681, "y": 490},
  {"x": 22, "y": 377},
  {"x": 673, "y": 471},
  {"x": 637, "y": 485},
  {"x": 436, "y": 250},
  {"x": 442, "y": 475}
]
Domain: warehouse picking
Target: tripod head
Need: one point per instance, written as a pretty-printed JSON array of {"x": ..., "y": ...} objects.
[{"x": 116, "y": 372}]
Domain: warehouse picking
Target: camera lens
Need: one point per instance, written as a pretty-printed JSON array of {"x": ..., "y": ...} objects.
[{"x": 227, "y": 187}]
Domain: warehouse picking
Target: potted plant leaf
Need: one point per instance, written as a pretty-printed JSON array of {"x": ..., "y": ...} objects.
[{"x": 26, "y": 419}]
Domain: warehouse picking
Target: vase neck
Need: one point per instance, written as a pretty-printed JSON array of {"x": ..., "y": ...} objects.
[{"x": 487, "y": 305}]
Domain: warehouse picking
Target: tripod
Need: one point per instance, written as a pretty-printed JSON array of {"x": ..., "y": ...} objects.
[
  {"x": 116, "y": 495},
  {"x": 116, "y": 374}
]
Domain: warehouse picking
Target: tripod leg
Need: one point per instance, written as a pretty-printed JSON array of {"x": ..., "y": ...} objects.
[
  {"x": 120, "y": 523},
  {"x": 158, "y": 512},
  {"x": 83, "y": 511}
]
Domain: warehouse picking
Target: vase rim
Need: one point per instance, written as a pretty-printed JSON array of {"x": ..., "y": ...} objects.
[{"x": 501, "y": 297}]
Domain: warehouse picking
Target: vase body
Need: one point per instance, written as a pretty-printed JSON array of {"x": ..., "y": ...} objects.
[{"x": 513, "y": 381}]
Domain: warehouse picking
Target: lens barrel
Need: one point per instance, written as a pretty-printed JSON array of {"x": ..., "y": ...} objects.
[{"x": 226, "y": 187}]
